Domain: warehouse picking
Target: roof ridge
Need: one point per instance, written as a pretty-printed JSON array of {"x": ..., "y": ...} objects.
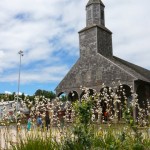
[{"x": 138, "y": 69}]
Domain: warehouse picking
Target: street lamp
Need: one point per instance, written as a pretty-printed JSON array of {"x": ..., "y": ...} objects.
[{"x": 21, "y": 54}]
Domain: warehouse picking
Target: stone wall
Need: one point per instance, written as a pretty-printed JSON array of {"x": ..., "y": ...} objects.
[
  {"x": 88, "y": 42},
  {"x": 104, "y": 39},
  {"x": 89, "y": 16},
  {"x": 92, "y": 72},
  {"x": 95, "y": 40},
  {"x": 95, "y": 15}
]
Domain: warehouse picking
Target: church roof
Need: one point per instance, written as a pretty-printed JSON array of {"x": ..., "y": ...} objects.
[
  {"x": 95, "y": 25},
  {"x": 139, "y": 72},
  {"x": 95, "y": 1}
]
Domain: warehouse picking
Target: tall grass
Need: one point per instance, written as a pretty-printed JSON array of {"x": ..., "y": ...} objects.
[{"x": 34, "y": 142}]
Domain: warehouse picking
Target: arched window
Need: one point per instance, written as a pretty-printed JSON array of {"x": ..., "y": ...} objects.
[
  {"x": 124, "y": 95},
  {"x": 141, "y": 91},
  {"x": 63, "y": 96},
  {"x": 106, "y": 102},
  {"x": 89, "y": 92},
  {"x": 73, "y": 96}
]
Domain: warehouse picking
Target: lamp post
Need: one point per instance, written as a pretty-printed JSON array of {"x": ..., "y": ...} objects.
[{"x": 21, "y": 54}]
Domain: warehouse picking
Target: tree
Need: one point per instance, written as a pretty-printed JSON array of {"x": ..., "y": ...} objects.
[
  {"x": 46, "y": 94},
  {"x": 6, "y": 97},
  {"x": 38, "y": 92}
]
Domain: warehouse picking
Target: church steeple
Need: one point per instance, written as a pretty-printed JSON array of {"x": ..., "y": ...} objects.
[
  {"x": 95, "y": 13},
  {"x": 95, "y": 37}
]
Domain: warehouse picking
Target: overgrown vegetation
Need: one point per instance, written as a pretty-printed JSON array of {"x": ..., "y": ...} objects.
[{"x": 84, "y": 125}]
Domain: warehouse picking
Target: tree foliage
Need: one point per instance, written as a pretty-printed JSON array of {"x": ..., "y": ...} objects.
[
  {"x": 46, "y": 94},
  {"x": 39, "y": 92}
]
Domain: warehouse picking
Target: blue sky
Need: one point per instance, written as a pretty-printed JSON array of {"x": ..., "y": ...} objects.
[{"x": 47, "y": 32}]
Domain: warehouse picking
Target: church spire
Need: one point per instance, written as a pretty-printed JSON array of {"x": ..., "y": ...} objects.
[{"x": 95, "y": 13}]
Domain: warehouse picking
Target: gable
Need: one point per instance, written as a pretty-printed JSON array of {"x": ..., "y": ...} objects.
[{"x": 94, "y": 71}]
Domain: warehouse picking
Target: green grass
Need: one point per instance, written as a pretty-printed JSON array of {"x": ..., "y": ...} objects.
[{"x": 35, "y": 142}]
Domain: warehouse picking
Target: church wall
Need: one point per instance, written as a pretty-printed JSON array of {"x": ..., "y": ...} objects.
[
  {"x": 95, "y": 40},
  {"x": 104, "y": 39},
  {"x": 92, "y": 72},
  {"x": 88, "y": 42},
  {"x": 89, "y": 16},
  {"x": 96, "y": 14},
  {"x": 107, "y": 72}
]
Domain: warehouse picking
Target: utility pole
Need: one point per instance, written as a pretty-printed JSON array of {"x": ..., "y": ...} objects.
[{"x": 21, "y": 54}]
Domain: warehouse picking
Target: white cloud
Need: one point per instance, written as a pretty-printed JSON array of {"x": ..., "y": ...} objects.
[
  {"x": 33, "y": 29},
  {"x": 7, "y": 92},
  {"x": 129, "y": 21},
  {"x": 20, "y": 93},
  {"x": 42, "y": 75},
  {"x": 43, "y": 28}
]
